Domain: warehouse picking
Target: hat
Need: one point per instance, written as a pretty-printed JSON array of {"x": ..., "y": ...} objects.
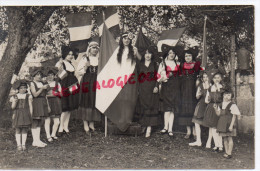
[
  {"x": 178, "y": 50},
  {"x": 65, "y": 50},
  {"x": 93, "y": 44},
  {"x": 193, "y": 50},
  {"x": 34, "y": 70},
  {"x": 20, "y": 83},
  {"x": 51, "y": 69}
]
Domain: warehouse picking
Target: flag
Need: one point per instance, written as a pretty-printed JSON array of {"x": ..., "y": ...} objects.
[
  {"x": 111, "y": 18},
  {"x": 205, "y": 54},
  {"x": 142, "y": 42},
  {"x": 115, "y": 97},
  {"x": 79, "y": 25},
  {"x": 170, "y": 37}
]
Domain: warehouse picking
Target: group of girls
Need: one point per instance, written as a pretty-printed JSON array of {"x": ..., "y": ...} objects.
[{"x": 172, "y": 92}]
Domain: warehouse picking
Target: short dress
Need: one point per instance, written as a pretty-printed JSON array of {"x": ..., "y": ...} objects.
[
  {"x": 188, "y": 100},
  {"x": 87, "y": 110},
  {"x": 22, "y": 117},
  {"x": 228, "y": 109},
  {"x": 210, "y": 117},
  {"x": 40, "y": 105},
  {"x": 201, "y": 106},
  {"x": 69, "y": 101},
  {"x": 54, "y": 100},
  {"x": 147, "y": 105},
  {"x": 170, "y": 89}
]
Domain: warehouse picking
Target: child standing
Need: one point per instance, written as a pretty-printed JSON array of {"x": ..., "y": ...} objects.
[
  {"x": 213, "y": 99},
  {"x": 228, "y": 112},
  {"x": 40, "y": 105},
  {"x": 53, "y": 96},
  {"x": 22, "y": 106},
  {"x": 200, "y": 108},
  {"x": 148, "y": 98}
]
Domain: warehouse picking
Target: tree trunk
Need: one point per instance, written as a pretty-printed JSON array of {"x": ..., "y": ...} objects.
[{"x": 22, "y": 33}]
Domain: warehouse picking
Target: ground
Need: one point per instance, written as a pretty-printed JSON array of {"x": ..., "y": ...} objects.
[{"x": 81, "y": 151}]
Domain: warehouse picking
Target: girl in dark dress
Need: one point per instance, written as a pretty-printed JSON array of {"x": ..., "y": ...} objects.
[
  {"x": 22, "y": 106},
  {"x": 53, "y": 96},
  {"x": 200, "y": 108},
  {"x": 213, "y": 98},
  {"x": 41, "y": 108},
  {"x": 148, "y": 97},
  {"x": 70, "y": 88},
  {"x": 88, "y": 67},
  {"x": 169, "y": 71},
  {"x": 227, "y": 112},
  {"x": 190, "y": 70}
]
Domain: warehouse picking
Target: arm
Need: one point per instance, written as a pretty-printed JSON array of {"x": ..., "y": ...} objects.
[
  {"x": 232, "y": 123},
  {"x": 198, "y": 93},
  {"x": 14, "y": 103},
  {"x": 137, "y": 54},
  {"x": 207, "y": 99},
  {"x": 82, "y": 66},
  {"x": 37, "y": 93},
  {"x": 30, "y": 99},
  {"x": 49, "y": 109}
]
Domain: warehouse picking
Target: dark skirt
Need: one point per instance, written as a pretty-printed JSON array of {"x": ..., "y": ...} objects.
[
  {"x": 89, "y": 114},
  {"x": 71, "y": 101},
  {"x": 22, "y": 118},
  {"x": 170, "y": 95},
  {"x": 199, "y": 112},
  {"x": 188, "y": 100},
  {"x": 40, "y": 108},
  {"x": 87, "y": 110},
  {"x": 210, "y": 117},
  {"x": 55, "y": 105}
]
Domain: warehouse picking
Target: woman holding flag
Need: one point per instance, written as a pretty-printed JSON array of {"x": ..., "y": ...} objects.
[{"x": 70, "y": 95}]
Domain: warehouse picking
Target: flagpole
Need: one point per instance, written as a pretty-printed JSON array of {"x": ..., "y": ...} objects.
[
  {"x": 204, "y": 57},
  {"x": 105, "y": 126}
]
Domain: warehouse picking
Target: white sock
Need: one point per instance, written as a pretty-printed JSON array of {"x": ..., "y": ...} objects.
[
  {"x": 188, "y": 130},
  {"x": 166, "y": 120},
  {"x": 62, "y": 118},
  {"x": 18, "y": 139},
  {"x": 91, "y": 125},
  {"x": 55, "y": 126},
  {"x": 38, "y": 132},
  {"x": 209, "y": 138},
  {"x": 34, "y": 135},
  {"x": 86, "y": 128},
  {"x": 24, "y": 137},
  {"x": 47, "y": 127},
  {"x": 171, "y": 120},
  {"x": 215, "y": 137},
  {"x": 66, "y": 122},
  {"x": 198, "y": 133}
]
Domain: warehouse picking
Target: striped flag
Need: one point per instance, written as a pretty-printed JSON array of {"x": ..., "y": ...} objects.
[
  {"x": 115, "y": 97},
  {"x": 111, "y": 18},
  {"x": 170, "y": 37},
  {"x": 80, "y": 25}
]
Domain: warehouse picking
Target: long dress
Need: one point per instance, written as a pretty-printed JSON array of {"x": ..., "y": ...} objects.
[
  {"x": 22, "y": 117},
  {"x": 210, "y": 117},
  {"x": 201, "y": 106},
  {"x": 69, "y": 100},
  {"x": 87, "y": 110},
  {"x": 170, "y": 90},
  {"x": 148, "y": 102},
  {"x": 188, "y": 92}
]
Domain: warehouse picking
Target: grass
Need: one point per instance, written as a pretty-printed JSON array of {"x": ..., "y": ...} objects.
[{"x": 81, "y": 151}]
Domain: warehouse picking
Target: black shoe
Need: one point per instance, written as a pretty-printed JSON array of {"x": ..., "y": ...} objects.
[{"x": 59, "y": 134}]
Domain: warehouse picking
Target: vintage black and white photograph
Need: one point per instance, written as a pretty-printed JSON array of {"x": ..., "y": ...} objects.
[{"x": 127, "y": 87}]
